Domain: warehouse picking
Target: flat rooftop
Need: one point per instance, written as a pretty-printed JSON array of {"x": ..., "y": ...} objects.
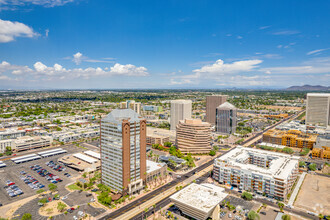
[
  {"x": 202, "y": 197},
  {"x": 280, "y": 165},
  {"x": 152, "y": 166}
]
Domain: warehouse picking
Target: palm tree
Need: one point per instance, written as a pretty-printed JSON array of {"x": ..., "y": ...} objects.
[{"x": 280, "y": 205}]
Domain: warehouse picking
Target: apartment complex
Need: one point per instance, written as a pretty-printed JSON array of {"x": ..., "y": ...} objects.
[
  {"x": 322, "y": 147},
  {"x": 318, "y": 109},
  {"x": 193, "y": 136},
  {"x": 256, "y": 170},
  {"x": 25, "y": 143},
  {"x": 226, "y": 118},
  {"x": 180, "y": 110},
  {"x": 131, "y": 104},
  {"x": 291, "y": 138},
  {"x": 123, "y": 150},
  {"x": 212, "y": 102},
  {"x": 11, "y": 133}
]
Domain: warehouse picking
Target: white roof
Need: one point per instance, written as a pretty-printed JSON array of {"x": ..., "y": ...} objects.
[
  {"x": 23, "y": 157},
  {"x": 53, "y": 153},
  {"x": 181, "y": 101},
  {"x": 27, "y": 159},
  {"x": 202, "y": 197},
  {"x": 50, "y": 151},
  {"x": 280, "y": 166},
  {"x": 226, "y": 105},
  {"x": 152, "y": 166},
  {"x": 84, "y": 158},
  {"x": 93, "y": 154},
  {"x": 319, "y": 94}
]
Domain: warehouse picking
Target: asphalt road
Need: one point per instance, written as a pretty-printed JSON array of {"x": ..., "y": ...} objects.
[{"x": 154, "y": 193}]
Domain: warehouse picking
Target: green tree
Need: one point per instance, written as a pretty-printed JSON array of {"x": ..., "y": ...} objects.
[
  {"x": 52, "y": 187},
  {"x": 247, "y": 196},
  {"x": 167, "y": 144},
  {"x": 252, "y": 215},
  {"x": 280, "y": 205},
  {"x": 212, "y": 153},
  {"x": 312, "y": 166},
  {"x": 61, "y": 206},
  {"x": 27, "y": 216},
  {"x": 286, "y": 217},
  {"x": 40, "y": 191},
  {"x": 302, "y": 164}
]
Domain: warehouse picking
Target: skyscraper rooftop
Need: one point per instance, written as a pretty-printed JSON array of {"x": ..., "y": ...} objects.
[{"x": 117, "y": 115}]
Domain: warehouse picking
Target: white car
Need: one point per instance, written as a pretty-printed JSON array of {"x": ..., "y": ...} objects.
[{"x": 75, "y": 217}]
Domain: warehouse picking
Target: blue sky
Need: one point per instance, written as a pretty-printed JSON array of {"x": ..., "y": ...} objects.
[{"x": 163, "y": 44}]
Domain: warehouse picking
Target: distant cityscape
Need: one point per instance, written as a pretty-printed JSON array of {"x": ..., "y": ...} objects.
[{"x": 200, "y": 155}]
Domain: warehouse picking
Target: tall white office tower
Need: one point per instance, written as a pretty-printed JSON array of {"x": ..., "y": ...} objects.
[{"x": 180, "y": 110}]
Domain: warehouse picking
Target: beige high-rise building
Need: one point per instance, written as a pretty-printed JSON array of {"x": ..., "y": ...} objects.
[
  {"x": 131, "y": 104},
  {"x": 318, "y": 109},
  {"x": 212, "y": 102},
  {"x": 123, "y": 150},
  {"x": 193, "y": 136},
  {"x": 180, "y": 110}
]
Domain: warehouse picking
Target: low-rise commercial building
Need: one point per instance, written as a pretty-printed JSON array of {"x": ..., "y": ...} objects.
[
  {"x": 153, "y": 137},
  {"x": 263, "y": 172},
  {"x": 322, "y": 147},
  {"x": 199, "y": 201},
  {"x": 152, "y": 108},
  {"x": 193, "y": 136},
  {"x": 291, "y": 138},
  {"x": 155, "y": 169},
  {"x": 28, "y": 143},
  {"x": 25, "y": 143}
]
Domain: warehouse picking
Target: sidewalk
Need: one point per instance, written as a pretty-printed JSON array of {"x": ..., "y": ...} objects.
[{"x": 296, "y": 189}]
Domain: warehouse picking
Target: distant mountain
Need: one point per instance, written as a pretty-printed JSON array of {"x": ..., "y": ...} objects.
[{"x": 309, "y": 88}]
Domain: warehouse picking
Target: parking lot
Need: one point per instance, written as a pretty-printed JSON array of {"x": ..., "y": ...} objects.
[
  {"x": 13, "y": 172},
  {"x": 32, "y": 207},
  {"x": 239, "y": 202}
]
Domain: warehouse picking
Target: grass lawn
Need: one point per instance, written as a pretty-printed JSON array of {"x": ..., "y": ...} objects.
[{"x": 74, "y": 187}]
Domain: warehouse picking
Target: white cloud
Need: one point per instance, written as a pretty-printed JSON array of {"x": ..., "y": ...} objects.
[
  {"x": 15, "y": 4},
  {"x": 46, "y": 32},
  {"x": 314, "y": 66},
  {"x": 316, "y": 52},
  {"x": 287, "y": 32},
  {"x": 239, "y": 37},
  {"x": 220, "y": 68},
  {"x": 40, "y": 70},
  {"x": 77, "y": 58},
  {"x": 181, "y": 81},
  {"x": 218, "y": 71},
  {"x": 264, "y": 27},
  {"x": 10, "y": 30}
]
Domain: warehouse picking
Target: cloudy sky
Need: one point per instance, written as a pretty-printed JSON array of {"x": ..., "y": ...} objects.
[{"x": 111, "y": 44}]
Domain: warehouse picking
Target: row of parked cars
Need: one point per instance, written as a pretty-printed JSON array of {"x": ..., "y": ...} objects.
[
  {"x": 48, "y": 175},
  {"x": 55, "y": 166},
  {"x": 32, "y": 182},
  {"x": 12, "y": 189}
]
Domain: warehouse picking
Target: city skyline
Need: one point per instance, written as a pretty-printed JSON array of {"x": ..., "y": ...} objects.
[{"x": 75, "y": 44}]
